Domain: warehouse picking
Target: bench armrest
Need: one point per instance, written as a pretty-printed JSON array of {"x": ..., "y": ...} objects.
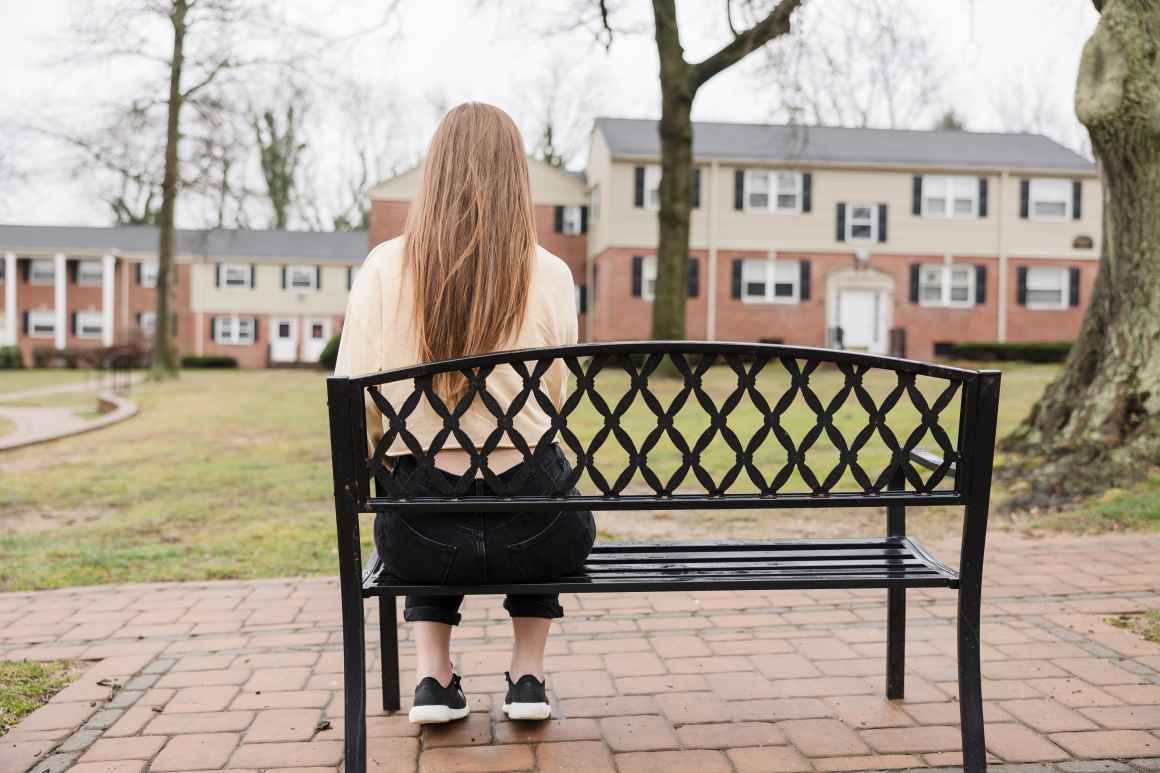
[{"x": 927, "y": 459}]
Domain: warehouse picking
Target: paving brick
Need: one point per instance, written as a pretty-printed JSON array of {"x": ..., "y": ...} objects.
[
  {"x": 209, "y": 722},
  {"x": 879, "y": 762},
  {"x": 768, "y": 759},
  {"x": 683, "y": 707},
  {"x": 476, "y": 759},
  {"x": 574, "y": 757},
  {"x": 52, "y": 716},
  {"x": 142, "y": 747},
  {"x": 633, "y": 664},
  {"x": 822, "y": 737},
  {"x": 301, "y": 699},
  {"x": 1016, "y": 743},
  {"x": 570, "y": 729},
  {"x": 389, "y": 755},
  {"x": 1125, "y": 717},
  {"x": 1047, "y": 716},
  {"x": 789, "y": 666},
  {"x": 684, "y": 761},
  {"x": 638, "y": 733},
  {"x": 277, "y": 679},
  {"x": 131, "y": 722},
  {"x": 275, "y": 755},
  {"x": 729, "y": 734},
  {"x": 472, "y": 731},
  {"x": 866, "y": 711},
  {"x": 1109, "y": 744},
  {"x": 1098, "y": 671},
  {"x": 198, "y": 751},
  {"x": 913, "y": 739},
  {"x": 122, "y": 766},
  {"x": 652, "y": 685},
  {"x": 1075, "y": 692},
  {"x": 780, "y": 708},
  {"x": 283, "y": 725},
  {"x": 680, "y": 646}
]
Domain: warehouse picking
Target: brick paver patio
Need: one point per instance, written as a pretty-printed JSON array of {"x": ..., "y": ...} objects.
[{"x": 247, "y": 676}]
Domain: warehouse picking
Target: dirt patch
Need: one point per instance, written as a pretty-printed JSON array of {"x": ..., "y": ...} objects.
[{"x": 39, "y": 519}]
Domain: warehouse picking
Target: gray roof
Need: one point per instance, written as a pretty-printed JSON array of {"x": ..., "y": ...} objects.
[
  {"x": 837, "y": 145},
  {"x": 211, "y": 243}
]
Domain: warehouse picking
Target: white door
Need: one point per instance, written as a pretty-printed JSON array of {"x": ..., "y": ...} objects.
[
  {"x": 283, "y": 340},
  {"x": 316, "y": 332},
  {"x": 860, "y": 317}
]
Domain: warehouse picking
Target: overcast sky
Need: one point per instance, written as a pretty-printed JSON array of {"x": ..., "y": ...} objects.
[{"x": 1004, "y": 64}]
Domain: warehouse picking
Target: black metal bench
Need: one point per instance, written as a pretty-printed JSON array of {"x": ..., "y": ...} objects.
[{"x": 868, "y": 463}]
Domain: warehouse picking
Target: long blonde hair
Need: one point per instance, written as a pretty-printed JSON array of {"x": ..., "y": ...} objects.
[{"x": 470, "y": 239}]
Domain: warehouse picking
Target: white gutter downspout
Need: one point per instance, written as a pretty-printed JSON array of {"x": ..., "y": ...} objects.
[
  {"x": 1002, "y": 286},
  {"x": 711, "y": 285}
]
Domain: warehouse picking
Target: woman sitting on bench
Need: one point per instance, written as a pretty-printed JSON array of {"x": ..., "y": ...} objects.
[{"x": 467, "y": 277}]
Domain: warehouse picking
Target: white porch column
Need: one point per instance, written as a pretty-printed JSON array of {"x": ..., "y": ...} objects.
[
  {"x": 60, "y": 301},
  {"x": 107, "y": 286},
  {"x": 10, "y": 331}
]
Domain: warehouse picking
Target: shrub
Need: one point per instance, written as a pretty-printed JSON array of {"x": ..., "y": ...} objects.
[
  {"x": 10, "y": 358},
  {"x": 1024, "y": 351},
  {"x": 329, "y": 354},
  {"x": 209, "y": 361}
]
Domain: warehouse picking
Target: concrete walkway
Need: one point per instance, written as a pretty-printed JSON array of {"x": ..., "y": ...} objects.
[
  {"x": 40, "y": 424},
  {"x": 247, "y": 676}
]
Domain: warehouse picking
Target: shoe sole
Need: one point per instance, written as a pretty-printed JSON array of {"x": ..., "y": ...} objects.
[
  {"x": 435, "y": 715},
  {"x": 527, "y": 710}
]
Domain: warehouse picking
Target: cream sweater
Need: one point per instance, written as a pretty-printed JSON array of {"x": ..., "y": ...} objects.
[{"x": 378, "y": 335}]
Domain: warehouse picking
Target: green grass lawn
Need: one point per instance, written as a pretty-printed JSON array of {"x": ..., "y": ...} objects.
[
  {"x": 226, "y": 474},
  {"x": 30, "y": 378},
  {"x": 26, "y": 686}
]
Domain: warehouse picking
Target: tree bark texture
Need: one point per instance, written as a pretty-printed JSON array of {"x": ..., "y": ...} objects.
[{"x": 1097, "y": 426}]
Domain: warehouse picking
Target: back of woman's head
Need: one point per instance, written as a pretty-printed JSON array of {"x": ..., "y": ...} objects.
[{"x": 470, "y": 239}]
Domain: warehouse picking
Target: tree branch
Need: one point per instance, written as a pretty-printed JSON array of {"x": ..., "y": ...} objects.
[{"x": 775, "y": 24}]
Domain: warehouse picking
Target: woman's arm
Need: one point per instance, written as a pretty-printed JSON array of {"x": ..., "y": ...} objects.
[{"x": 360, "y": 348}]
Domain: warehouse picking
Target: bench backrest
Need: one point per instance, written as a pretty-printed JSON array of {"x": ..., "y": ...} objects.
[{"x": 799, "y": 427}]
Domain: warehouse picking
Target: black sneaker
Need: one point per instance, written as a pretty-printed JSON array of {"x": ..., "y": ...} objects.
[
  {"x": 527, "y": 698},
  {"x": 435, "y": 703}
]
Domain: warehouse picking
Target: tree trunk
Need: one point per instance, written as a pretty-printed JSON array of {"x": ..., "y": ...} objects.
[
  {"x": 1097, "y": 425},
  {"x": 164, "y": 359}
]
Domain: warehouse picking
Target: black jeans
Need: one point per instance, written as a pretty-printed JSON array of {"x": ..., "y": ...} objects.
[{"x": 484, "y": 548}]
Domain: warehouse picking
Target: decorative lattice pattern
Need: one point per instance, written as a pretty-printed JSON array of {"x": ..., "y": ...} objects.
[{"x": 829, "y": 456}]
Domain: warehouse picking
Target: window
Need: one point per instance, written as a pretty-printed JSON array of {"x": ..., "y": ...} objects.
[
  {"x": 573, "y": 221},
  {"x": 955, "y": 197},
  {"x": 236, "y": 275},
  {"x": 652, "y": 187},
  {"x": 148, "y": 273},
  {"x": 770, "y": 281},
  {"x": 316, "y": 331},
  {"x": 233, "y": 330},
  {"x": 1047, "y": 287},
  {"x": 41, "y": 323},
  {"x": 42, "y": 271},
  {"x": 89, "y": 272},
  {"x": 648, "y": 278},
  {"x": 89, "y": 324},
  {"x": 594, "y": 202},
  {"x": 301, "y": 278},
  {"x": 769, "y": 191},
  {"x": 1050, "y": 199},
  {"x": 147, "y": 322},
  {"x": 284, "y": 331},
  {"x": 862, "y": 223},
  {"x": 952, "y": 286}
]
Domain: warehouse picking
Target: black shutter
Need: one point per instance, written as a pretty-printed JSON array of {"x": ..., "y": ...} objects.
[
  {"x": 72, "y": 323},
  {"x": 583, "y": 299},
  {"x": 217, "y": 274},
  {"x": 584, "y": 219},
  {"x": 255, "y": 323},
  {"x": 696, "y": 194},
  {"x": 595, "y": 282},
  {"x": 318, "y": 277},
  {"x": 735, "y": 285},
  {"x": 804, "y": 288},
  {"x": 739, "y": 189},
  {"x": 807, "y": 192},
  {"x": 841, "y": 222},
  {"x": 916, "y": 195},
  {"x": 138, "y": 319},
  {"x": 137, "y": 266},
  {"x": 638, "y": 187},
  {"x": 1024, "y": 198},
  {"x": 25, "y": 269},
  {"x": 882, "y": 222},
  {"x": 980, "y": 285},
  {"x": 694, "y": 277},
  {"x": 213, "y": 329},
  {"x": 72, "y": 267},
  {"x": 1076, "y": 198},
  {"x": 982, "y": 197},
  {"x": 1073, "y": 286},
  {"x": 637, "y": 275},
  {"x": 559, "y": 220},
  {"x": 253, "y": 276},
  {"x": 1021, "y": 285},
  {"x": 26, "y": 323},
  {"x": 349, "y": 277},
  {"x": 915, "y": 273},
  {"x": 283, "y": 277}
]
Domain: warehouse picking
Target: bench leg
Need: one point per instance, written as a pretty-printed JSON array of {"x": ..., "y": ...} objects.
[
  {"x": 389, "y": 652},
  {"x": 354, "y": 684},
  {"x": 895, "y": 643},
  {"x": 970, "y": 680}
]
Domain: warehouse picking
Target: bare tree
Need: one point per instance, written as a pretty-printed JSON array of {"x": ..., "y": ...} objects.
[
  {"x": 561, "y": 104},
  {"x": 866, "y": 64},
  {"x": 951, "y": 121},
  {"x": 1097, "y": 425},
  {"x": 280, "y": 153}
]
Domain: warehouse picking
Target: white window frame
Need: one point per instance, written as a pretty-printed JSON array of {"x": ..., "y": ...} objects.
[
  {"x": 571, "y": 221},
  {"x": 652, "y": 187},
  {"x": 648, "y": 278},
  {"x": 229, "y": 284},
  {"x": 42, "y": 314},
  {"x": 949, "y": 189},
  {"x": 1038, "y": 193},
  {"x": 311, "y": 278},
  {"x": 148, "y": 273},
  {"x": 945, "y": 284},
  {"x": 95, "y": 278},
  {"x": 232, "y": 333},
  {"x": 90, "y": 319},
  {"x": 1064, "y": 288},
  {"x": 850, "y": 207},
  {"x": 148, "y": 323},
  {"x": 774, "y": 179},
  {"x": 766, "y": 270},
  {"x": 43, "y": 277}
]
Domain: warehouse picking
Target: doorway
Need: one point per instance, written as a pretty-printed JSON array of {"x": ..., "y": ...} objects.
[
  {"x": 283, "y": 340},
  {"x": 859, "y": 302},
  {"x": 317, "y": 333}
]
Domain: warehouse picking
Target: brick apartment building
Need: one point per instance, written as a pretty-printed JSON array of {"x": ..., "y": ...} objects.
[{"x": 263, "y": 297}]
